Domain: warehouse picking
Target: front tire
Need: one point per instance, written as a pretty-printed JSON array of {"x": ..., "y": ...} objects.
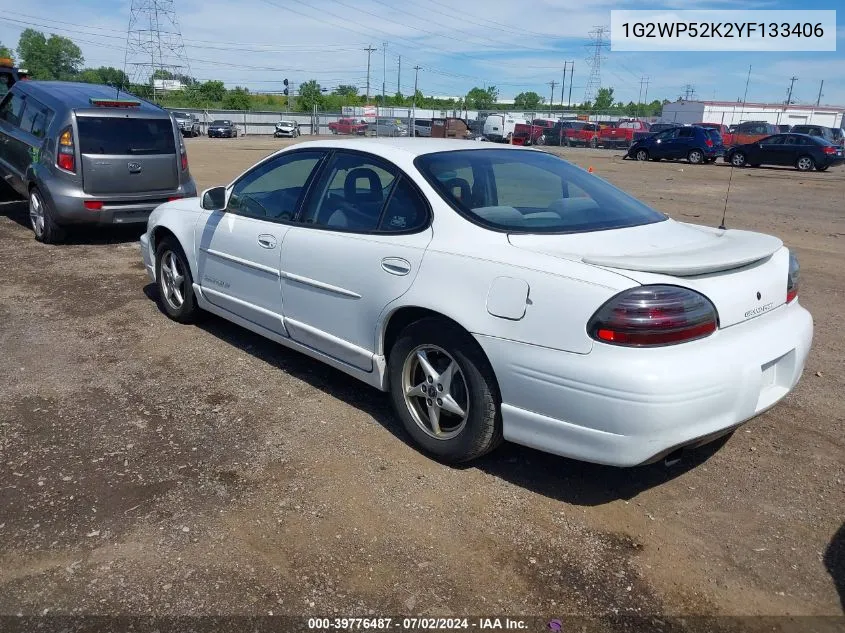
[
  {"x": 738, "y": 159},
  {"x": 42, "y": 220},
  {"x": 641, "y": 155},
  {"x": 175, "y": 283},
  {"x": 444, "y": 391}
]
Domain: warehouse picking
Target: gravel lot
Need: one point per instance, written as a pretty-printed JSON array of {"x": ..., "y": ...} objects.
[{"x": 150, "y": 467}]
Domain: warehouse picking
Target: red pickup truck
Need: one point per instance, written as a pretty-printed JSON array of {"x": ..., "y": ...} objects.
[
  {"x": 348, "y": 126},
  {"x": 587, "y": 135},
  {"x": 625, "y": 134},
  {"x": 533, "y": 133}
]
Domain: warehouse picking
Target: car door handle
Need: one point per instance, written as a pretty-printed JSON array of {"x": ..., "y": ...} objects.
[
  {"x": 267, "y": 241},
  {"x": 396, "y": 265}
]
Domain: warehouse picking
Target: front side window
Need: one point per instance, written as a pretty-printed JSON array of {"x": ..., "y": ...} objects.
[
  {"x": 524, "y": 191},
  {"x": 666, "y": 135},
  {"x": 686, "y": 132},
  {"x": 272, "y": 190}
]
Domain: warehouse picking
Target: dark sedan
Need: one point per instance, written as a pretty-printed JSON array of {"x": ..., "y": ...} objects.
[
  {"x": 222, "y": 129},
  {"x": 802, "y": 151}
]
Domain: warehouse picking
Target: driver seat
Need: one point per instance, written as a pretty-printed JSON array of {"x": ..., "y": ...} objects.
[{"x": 362, "y": 205}]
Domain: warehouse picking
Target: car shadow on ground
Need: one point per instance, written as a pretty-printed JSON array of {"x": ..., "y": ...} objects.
[
  {"x": 834, "y": 562},
  {"x": 566, "y": 480},
  {"x": 18, "y": 211}
]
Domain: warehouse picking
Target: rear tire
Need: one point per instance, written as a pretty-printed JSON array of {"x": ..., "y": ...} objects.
[
  {"x": 471, "y": 388},
  {"x": 175, "y": 283},
  {"x": 695, "y": 157},
  {"x": 805, "y": 163},
  {"x": 43, "y": 221}
]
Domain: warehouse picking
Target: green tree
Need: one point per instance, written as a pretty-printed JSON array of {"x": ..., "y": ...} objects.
[
  {"x": 5, "y": 51},
  {"x": 55, "y": 57},
  {"x": 604, "y": 99},
  {"x": 237, "y": 99},
  {"x": 212, "y": 91},
  {"x": 346, "y": 90},
  {"x": 527, "y": 100},
  {"x": 104, "y": 75},
  {"x": 310, "y": 94},
  {"x": 482, "y": 98}
]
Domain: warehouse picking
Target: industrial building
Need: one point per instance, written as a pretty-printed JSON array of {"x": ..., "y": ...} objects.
[{"x": 731, "y": 113}]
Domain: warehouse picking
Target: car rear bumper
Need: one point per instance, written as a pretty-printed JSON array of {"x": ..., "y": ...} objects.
[
  {"x": 625, "y": 407},
  {"x": 134, "y": 209},
  {"x": 614, "y": 142}
]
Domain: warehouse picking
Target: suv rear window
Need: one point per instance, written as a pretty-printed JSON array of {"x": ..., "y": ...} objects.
[
  {"x": 713, "y": 135},
  {"x": 125, "y": 136}
]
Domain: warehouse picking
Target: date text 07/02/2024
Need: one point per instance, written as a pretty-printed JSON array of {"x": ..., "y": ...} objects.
[{"x": 415, "y": 624}]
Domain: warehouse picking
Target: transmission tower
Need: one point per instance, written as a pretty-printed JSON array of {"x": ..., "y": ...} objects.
[
  {"x": 154, "y": 43},
  {"x": 597, "y": 46}
]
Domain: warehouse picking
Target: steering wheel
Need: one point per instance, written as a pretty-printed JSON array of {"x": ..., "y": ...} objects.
[{"x": 253, "y": 206}]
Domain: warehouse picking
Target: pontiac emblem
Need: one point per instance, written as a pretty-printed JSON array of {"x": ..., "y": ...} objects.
[
  {"x": 759, "y": 296},
  {"x": 134, "y": 168}
]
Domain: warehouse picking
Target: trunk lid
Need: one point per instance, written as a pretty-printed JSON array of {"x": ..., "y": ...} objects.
[
  {"x": 743, "y": 273},
  {"x": 127, "y": 154}
]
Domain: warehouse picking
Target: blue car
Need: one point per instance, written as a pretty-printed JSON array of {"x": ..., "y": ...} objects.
[{"x": 691, "y": 142}]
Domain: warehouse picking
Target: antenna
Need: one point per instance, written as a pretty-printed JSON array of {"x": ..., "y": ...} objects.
[
  {"x": 154, "y": 46},
  {"x": 727, "y": 195},
  {"x": 596, "y": 46}
]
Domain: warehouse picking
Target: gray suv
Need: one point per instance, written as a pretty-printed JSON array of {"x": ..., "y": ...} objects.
[{"x": 85, "y": 154}]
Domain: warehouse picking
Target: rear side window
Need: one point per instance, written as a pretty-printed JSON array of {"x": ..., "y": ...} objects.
[
  {"x": 714, "y": 136},
  {"x": 36, "y": 118},
  {"x": 406, "y": 210},
  {"x": 12, "y": 109},
  {"x": 125, "y": 136}
]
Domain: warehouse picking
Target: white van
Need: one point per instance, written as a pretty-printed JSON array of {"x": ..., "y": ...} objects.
[{"x": 499, "y": 127}]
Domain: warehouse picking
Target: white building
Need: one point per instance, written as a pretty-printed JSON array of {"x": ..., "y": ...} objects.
[{"x": 731, "y": 113}]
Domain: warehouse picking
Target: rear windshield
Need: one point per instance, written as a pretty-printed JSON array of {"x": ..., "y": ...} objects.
[
  {"x": 125, "y": 136},
  {"x": 713, "y": 135},
  {"x": 524, "y": 191}
]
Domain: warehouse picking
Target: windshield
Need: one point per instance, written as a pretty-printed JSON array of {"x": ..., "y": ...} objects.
[
  {"x": 219, "y": 122},
  {"x": 526, "y": 191}
]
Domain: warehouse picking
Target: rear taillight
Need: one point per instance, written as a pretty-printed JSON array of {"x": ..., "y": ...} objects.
[
  {"x": 829, "y": 149},
  {"x": 708, "y": 143},
  {"x": 792, "y": 278},
  {"x": 66, "y": 152},
  {"x": 184, "y": 156},
  {"x": 649, "y": 316},
  {"x": 93, "y": 205}
]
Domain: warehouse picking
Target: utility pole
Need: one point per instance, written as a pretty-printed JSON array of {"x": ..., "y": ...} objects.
[
  {"x": 745, "y": 96},
  {"x": 562, "y": 84},
  {"x": 552, "y": 83},
  {"x": 571, "y": 74},
  {"x": 384, "y": 74},
  {"x": 399, "y": 77},
  {"x": 789, "y": 96},
  {"x": 369, "y": 50},
  {"x": 819, "y": 100},
  {"x": 413, "y": 129}
]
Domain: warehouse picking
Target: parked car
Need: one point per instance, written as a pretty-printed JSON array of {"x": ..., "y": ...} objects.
[
  {"x": 9, "y": 75},
  {"x": 815, "y": 130},
  {"x": 422, "y": 127},
  {"x": 587, "y": 135},
  {"x": 724, "y": 132},
  {"x": 188, "y": 124},
  {"x": 499, "y": 128},
  {"x": 802, "y": 151},
  {"x": 560, "y": 133},
  {"x": 624, "y": 134},
  {"x": 222, "y": 128},
  {"x": 654, "y": 128},
  {"x": 286, "y": 128},
  {"x": 752, "y": 131},
  {"x": 82, "y": 155},
  {"x": 783, "y": 128},
  {"x": 618, "y": 356},
  {"x": 693, "y": 143},
  {"x": 388, "y": 127},
  {"x": 533, "y": 133},
  {"x": 838, "y": 136},
  {"x": 348, "y": 126},
  {"x": 450, "y": 127}
]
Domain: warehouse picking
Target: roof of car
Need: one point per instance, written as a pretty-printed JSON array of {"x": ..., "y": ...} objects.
[
  {"x": 72, "y": 94},
  {"x": 409, "y": 145}
]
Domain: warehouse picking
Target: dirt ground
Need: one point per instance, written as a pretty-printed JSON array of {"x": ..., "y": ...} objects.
[{"x": 148, "y": 467}]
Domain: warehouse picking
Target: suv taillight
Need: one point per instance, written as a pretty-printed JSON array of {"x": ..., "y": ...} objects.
[
  {"x": 708, "y": 143},
  {"x": 792, "y": 278},
  {"x": 66, "y": 152},
  {"x": 651, "y": 316},
  {"x": 184, "y": 156}
]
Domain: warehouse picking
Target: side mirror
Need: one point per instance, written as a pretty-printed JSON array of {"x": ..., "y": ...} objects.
[{"x": 214, "y": 199}]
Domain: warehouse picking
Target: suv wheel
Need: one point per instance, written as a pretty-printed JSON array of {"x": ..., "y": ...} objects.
[
  {"x": 695, "y": 157},
  {"x": 42, "y": 221}
]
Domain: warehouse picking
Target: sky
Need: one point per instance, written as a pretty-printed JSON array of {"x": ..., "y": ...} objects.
[{"x": 515, "y": 46}]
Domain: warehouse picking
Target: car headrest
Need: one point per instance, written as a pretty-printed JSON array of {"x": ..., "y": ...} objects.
[{"x": 373, "y": 193}]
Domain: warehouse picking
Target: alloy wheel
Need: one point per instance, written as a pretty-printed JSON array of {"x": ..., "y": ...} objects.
[
  {"x": 805, "y": 163},
  {"x": 642, "y": 155},
  {"x": 738, "y": 159},
  {"x": 435, "y": 392},
  {"x": 172, "y": 280},
  {"x": 36, "y": 213}
]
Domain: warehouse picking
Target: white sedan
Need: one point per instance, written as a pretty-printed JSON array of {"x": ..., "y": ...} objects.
[{"x": 495, "y": 292}]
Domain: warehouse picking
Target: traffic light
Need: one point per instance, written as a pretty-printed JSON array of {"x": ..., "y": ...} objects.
[{"x": 286, "y": 87}]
